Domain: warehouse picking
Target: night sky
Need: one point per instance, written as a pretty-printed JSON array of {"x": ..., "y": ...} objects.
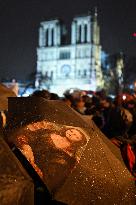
[{"x": 20, "y": 20}]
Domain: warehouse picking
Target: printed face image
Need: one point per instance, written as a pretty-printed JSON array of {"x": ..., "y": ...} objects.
[
  {"x": 74, "y": 135},
  {"x": 62, "y": 137},
  {"x": 52, "y": 149}
]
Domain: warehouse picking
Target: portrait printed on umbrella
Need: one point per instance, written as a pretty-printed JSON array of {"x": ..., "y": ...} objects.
[{"x": 52, "y": 149}]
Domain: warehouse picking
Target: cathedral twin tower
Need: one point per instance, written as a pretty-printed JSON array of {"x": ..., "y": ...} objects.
[
  {"x": 77, "y": 64},
  {"x": 50, "y": 32}
]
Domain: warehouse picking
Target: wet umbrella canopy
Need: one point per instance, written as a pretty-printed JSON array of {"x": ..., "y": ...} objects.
[
  {"x": 75, "y": 161},
  {"x": 16, "y": 188}
]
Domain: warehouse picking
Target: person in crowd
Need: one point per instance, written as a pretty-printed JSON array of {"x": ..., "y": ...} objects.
[
  {"x": 41, "y": 93},
  {"x": 128, "y": 151},
  {"x": 118, "y": 120},
  {"x": 131, "y": 106},
  {"x": 79, "y": 105},
  {"x": 93, "y": 109},
  {"x": 106, "y": 109},
  {"x": 68, "y": 98},
  {"x": 54, "y": 96}
]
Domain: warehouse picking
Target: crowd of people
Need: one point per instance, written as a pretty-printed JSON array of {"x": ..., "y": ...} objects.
[{"x": 115, "y": 117}]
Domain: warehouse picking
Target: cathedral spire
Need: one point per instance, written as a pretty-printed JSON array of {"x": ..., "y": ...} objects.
[
  {"x": 96, "y": 29},
  {"x": 95, "y": 12}
]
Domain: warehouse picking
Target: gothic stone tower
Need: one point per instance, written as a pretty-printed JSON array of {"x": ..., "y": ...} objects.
[{"x": 77, "y": 65}]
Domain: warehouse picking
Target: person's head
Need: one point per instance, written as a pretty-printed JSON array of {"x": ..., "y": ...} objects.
[
  {"x": 79, "y": 103},
  {"x": 42, "y": 93},
  {"x": 118, "y": 100},
  {"x": 96, "y": 101},
  {"x": 54, "y": 96},
  {"x": 88, "y": 101},
  {"x": 67, "y": 101},
  {"x": 107, "y": 102}
]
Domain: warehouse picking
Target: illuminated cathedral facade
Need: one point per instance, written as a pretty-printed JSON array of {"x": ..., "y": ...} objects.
[{"x": 74, "y": 65}]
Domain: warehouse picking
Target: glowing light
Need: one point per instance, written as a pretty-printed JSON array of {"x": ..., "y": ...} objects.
[
  {"x": 124, "y": 97},
  {"x": 135, "y": 84},
  {"x": 134, "y": 34}
]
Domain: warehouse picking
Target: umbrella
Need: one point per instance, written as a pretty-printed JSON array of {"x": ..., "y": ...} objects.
[
  {"x": 72, "y": 157},
  {"x": 16, "y": 187},
  {"x": 5, "y": 92}
]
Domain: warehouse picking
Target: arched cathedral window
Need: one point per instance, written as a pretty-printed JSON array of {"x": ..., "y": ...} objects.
[
  {"x": 51, "y": 75},
  {"x": 79, "y": 34},
  {"x": 52, "y": 37},
  {"x": 85, "y": 30},
  {"x": 79, "y": 72},
  {"x": 46, "y": 36},
  {"x": 85, "y": 73}
]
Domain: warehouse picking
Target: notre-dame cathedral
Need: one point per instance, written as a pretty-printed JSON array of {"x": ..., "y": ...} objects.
[{"x": 73, "y": 65}]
